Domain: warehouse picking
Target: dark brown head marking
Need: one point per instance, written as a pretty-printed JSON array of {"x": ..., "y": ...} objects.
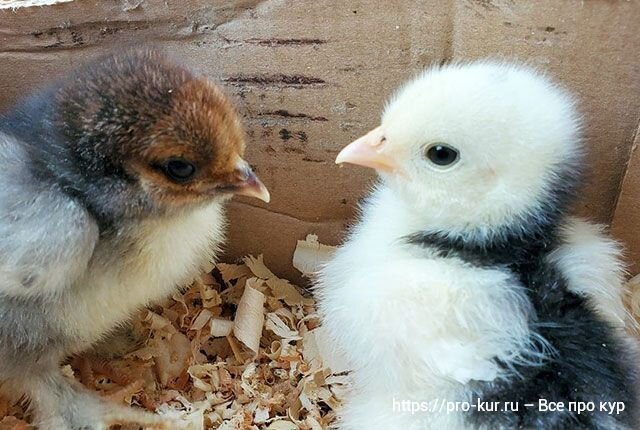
[{"x": 127, "y": 115}]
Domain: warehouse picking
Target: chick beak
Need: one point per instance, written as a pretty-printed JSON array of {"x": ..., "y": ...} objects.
[
  {"x": 248, "y": 184},
  {"x": 369, "y": 151}
]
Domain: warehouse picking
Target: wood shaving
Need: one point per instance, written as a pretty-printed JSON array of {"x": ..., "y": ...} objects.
[
  {"x": 240, "y": 349},
  {"x": 249, "y": 320},
  {"x": 310, "y": 255}
]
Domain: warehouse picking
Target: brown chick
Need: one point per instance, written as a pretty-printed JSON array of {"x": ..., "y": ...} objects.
[{"x": 111, "y": 197}]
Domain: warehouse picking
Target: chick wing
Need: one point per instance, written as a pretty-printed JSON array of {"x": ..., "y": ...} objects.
[{"x": 46, "y": 238}]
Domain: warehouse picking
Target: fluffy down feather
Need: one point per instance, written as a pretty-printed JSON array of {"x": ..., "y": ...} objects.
[{"x": 464, "y": 279}]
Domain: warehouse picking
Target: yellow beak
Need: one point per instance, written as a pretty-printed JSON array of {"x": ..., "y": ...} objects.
[
  {"x": 369, "y": 151},
  {"x": 249, "y": 185}
]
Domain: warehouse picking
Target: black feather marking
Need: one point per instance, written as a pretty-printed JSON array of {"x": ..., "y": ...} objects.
[
  {"x": 75, "y": 130},
  {"x": 590, "y": 363}
]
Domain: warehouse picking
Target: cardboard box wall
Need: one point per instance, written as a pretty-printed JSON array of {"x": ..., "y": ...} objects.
[{"x": 310, "y": 76}]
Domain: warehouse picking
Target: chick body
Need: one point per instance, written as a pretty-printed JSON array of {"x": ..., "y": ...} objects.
[
  {"x": 139, "y": 265},
  {"x": 98, "y": 219},
  {"x": 465, "y": 283}
]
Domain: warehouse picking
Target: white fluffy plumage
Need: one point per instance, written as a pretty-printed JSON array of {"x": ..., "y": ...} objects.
[
  {"x": 416, "y": 325},
  {"x": 514, "y": 131}
]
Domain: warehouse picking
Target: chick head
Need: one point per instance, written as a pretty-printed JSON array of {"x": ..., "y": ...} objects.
[{"x": 476, "y": 147}]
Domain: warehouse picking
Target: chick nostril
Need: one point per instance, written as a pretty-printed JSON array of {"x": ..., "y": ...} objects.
[
  {"x": 379, "y": 142},
  {"x": 244, "y": 174}
]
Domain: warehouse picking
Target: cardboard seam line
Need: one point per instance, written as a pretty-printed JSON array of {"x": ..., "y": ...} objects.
[
  {"x": 53, "y": 50},
  {"x": 169, "y": 30},
  {"x": 450, "y": 32},
  {"x": 163, "y": 29},
  {"x": 620, "y": 187}
]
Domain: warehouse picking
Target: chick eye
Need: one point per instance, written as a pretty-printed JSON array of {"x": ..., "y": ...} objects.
[
  {"x": 442, "y": 155},
  {"x": 179, "y": 170}
]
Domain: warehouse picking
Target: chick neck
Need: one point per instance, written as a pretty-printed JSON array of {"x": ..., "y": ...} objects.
[{"x": 524, "y": 239}]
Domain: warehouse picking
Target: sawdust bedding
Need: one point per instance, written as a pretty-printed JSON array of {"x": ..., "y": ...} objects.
[{"x": 239, "y": 349}]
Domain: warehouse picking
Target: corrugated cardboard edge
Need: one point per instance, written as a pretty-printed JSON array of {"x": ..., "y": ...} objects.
[
  {"x": 16, "y": 4},
  {"x": 626, "y": 219}
]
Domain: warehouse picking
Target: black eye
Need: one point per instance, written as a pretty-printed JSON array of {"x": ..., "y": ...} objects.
[
  {"x": 442, "y": 155},
  {"x": 179, "y": 170}
]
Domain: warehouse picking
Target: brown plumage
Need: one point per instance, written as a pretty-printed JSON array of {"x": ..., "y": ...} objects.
[
  {"x": 111, "y": 196},
  {"x": 133, "y": 112}
]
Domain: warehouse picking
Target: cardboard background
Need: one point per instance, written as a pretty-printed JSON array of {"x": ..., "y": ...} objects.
[
  {"x": 626, "y": 221},
  {"x": 310, "y": 76}
]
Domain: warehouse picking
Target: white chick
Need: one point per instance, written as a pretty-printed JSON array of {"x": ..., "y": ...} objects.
[{"x": 465, "y": 294}]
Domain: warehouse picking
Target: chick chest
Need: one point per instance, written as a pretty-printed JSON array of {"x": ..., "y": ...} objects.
[{"x": 141, "y": 264}]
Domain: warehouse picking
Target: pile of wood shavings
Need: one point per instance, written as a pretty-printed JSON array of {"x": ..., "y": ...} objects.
[{"x": 240, "y": 349}]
